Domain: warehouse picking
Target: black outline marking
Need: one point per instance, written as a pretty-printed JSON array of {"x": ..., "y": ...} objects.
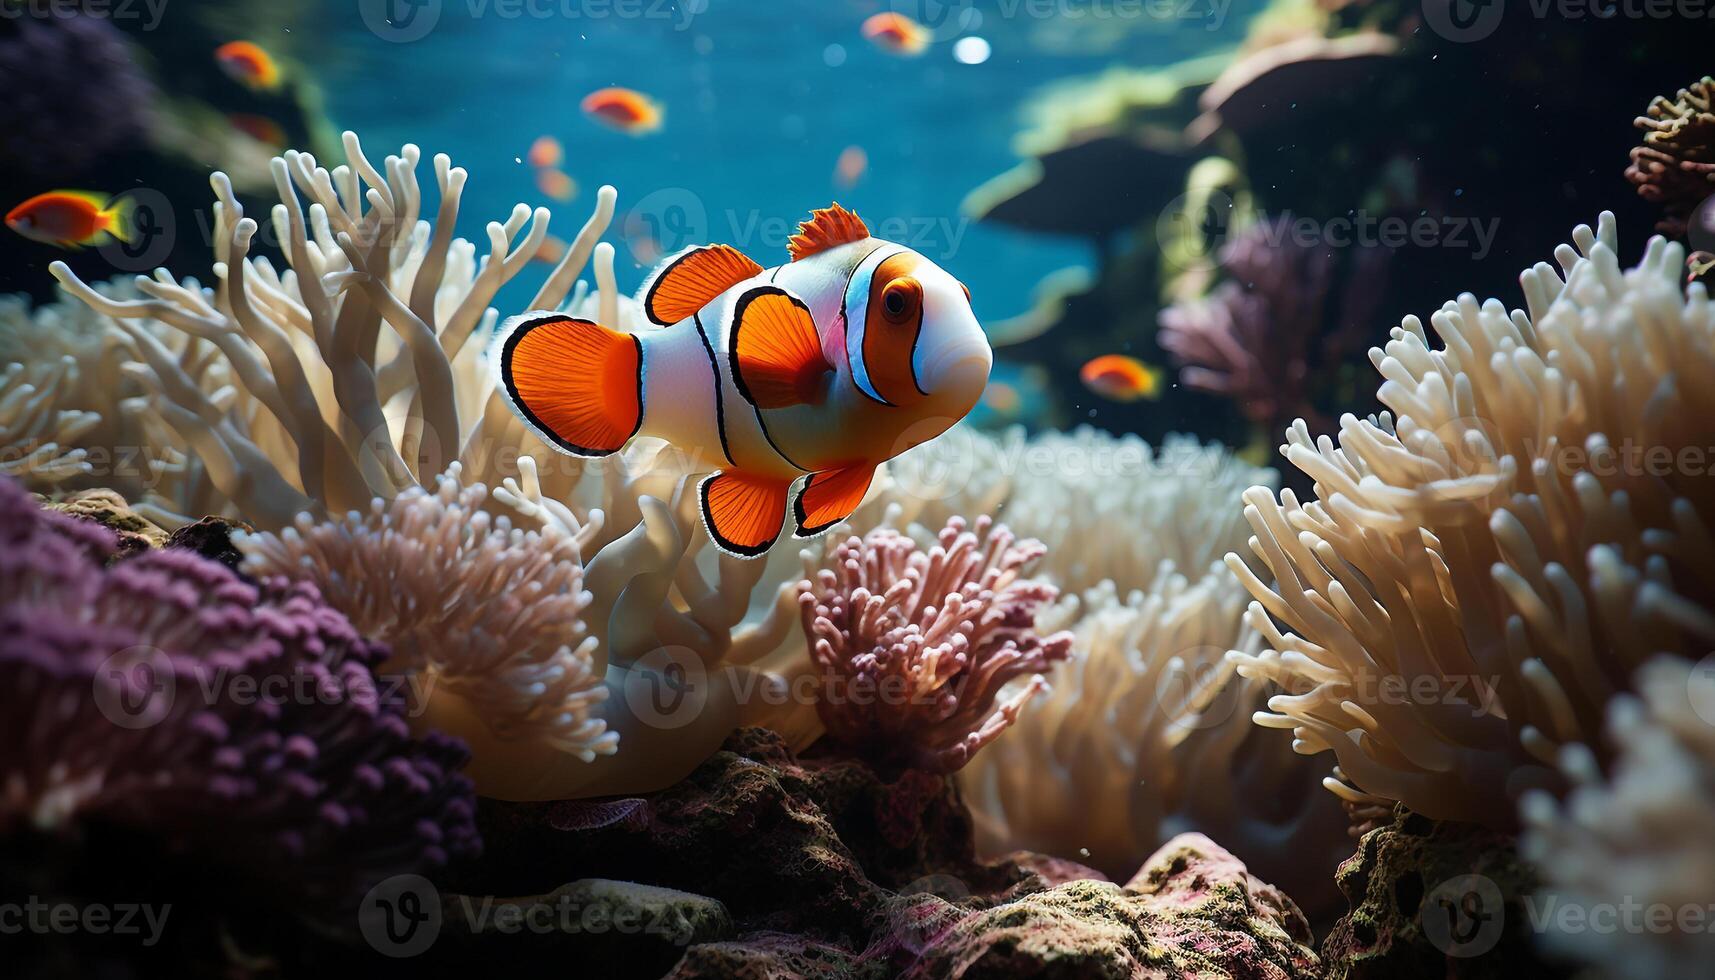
[
  {"x": 737, "y": 321},
  {"x": 667, "y": 270},
  {"x": 720, "y": 396},
  {"x": 799, "y": 530},
  {"x": 541, "y": 429},
  {"x": 720, "y": 540}
]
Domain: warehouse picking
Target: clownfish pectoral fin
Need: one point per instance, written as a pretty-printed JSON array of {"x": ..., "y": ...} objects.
[
  {"x": 575, "y": 383},
  {"x": 777, "y": 357},
  {"x": 830, "y": 497},
  {"x": 686, "y": 282},
  {"x": 743, "y": 511},
  {"x": 828, "y": 227}
]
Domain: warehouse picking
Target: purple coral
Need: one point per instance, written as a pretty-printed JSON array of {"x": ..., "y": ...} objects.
[
  {"x": 1674, "y": 167},
  {"x": 235, "y": 721},
  {"x": 1287, "y": 312},
  {"x": 914, "y": 647},
  {"x": 76, "y": 92}
]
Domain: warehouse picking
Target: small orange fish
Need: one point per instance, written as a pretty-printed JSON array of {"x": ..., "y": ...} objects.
[
  {"x": 1002, "y": 398},
  {"x": 72, "y": 219},
  {"x": 249, "y": 65},
  {"x": 1121, "y": 378},
  {"x": 259, "y": 128},
  {"x": 556, "y": 184},
  {"x": 546, "y": 152},
  {"x": 624, "y": 109},
  {"x": 551, "y": 251},
  {"x": 850, "y": 167},
  {"x": 896, "y": 33}
]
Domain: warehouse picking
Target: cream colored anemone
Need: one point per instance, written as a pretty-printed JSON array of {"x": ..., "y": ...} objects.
[
  {"x": 1636, "y": 846},
  {"x": 1483, "y": 567}
]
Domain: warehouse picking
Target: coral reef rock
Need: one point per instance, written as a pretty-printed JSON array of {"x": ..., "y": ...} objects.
[{"x": 1433, "y": 899}]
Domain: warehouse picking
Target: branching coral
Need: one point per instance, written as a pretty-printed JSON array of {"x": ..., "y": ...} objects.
[
  {"x": 352, "y": 374},
  {"x": 241, "y": 723},
  {"x": 1674, "y": 167},
  {"x": 1637, "y": 841},
  {"x": 475, "y": 609},
  {"x": 1289, "y": 310},
  {"x": 914, "y": 646},
  {"x": 1484, "y": 568}
]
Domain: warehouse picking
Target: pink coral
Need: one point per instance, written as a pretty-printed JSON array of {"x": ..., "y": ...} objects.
[{"x": 914, "y": 647}]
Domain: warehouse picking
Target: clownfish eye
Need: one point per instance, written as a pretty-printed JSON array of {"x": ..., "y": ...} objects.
[{"x": 901, "y": 298}]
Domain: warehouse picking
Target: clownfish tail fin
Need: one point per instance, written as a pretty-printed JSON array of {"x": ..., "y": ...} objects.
[{"x": 576, "y": 384}]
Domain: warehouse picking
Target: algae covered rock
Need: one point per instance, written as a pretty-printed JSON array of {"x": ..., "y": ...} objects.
[
  {"x": 1192, "y": 910},
  {"x": 1437, "y": 899},
  {"x": 135, "y": 533}
]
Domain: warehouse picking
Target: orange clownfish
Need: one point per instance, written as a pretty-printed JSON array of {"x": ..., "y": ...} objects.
[
  {"x": 1121, "y": 378},
  {"x": 624, "y": 109},
  {"x": 895, "y": 32},
  {"x": 809, "y": 374},
  {"x": 72, "y": 219},
  {"x": 248, "y": 65},
  {"x": 546, "y": 151}
]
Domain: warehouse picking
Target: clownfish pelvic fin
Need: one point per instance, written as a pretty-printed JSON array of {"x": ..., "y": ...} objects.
[
  {"x": 830, "y": 497},
  {"x": 576, "y": 384}
]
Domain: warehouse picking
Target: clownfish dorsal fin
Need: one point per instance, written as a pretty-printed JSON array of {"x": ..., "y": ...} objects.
[
  {"x": 575, "y": 383},
  {"x": 777, "y": 357},
  {"x": 827, "y": 228},
  {"x": 743, "y": 512},
  {"x": 830, "y": 497},
  {"x": 688, "y": 281}
]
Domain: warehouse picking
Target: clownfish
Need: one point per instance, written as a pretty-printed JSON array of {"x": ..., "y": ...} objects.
[
  {"x": 72, "y": 219},
  {"x": 817, "y": 371},
  {"x": 624, "y": 109},
  {"x": 895, "y": 32},
  {"x": 249, "y": 65},
  {"x": 1121, "y": 378}
]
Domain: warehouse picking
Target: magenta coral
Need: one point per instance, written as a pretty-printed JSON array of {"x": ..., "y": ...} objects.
[
  {"x": 1282, "y": 317},
  {"x": 914, "y": 647},
  {"x": 236, "y": 721}
]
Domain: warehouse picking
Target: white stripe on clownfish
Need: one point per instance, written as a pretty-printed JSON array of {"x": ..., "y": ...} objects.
[{"x": 854, "y": 313}]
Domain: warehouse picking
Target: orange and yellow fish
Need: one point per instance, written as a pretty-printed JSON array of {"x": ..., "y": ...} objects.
[
  {"x": 546, "y": 151},
  {"x": 624, "y": 109},
  {"x": 259, "y": 128},
  {"x": 248, "y": 65},
  {"x": 72, "y": 219},
  {"x": 556, "y": 184},
  {"x": 551, "y": 251},
  {"x": 808, "y": 375},
  {"x": 897, "y": 33},
  {"x": 850, "y": 167},
  {"x": 1121, "y": 378}
]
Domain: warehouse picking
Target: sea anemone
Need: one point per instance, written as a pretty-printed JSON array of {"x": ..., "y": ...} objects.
[
  {"x": 1289, "y": 312},
  {"x": 239, "y": 722},
  {"x": 84, "y": 95},
  {"x": 38, "y": 434},
  {"x": 358, "y": 375},
  {"x": 1484, "y": 568},
  {"x": 914, "y": 646},
  {"x": 1640, "y": 839},
  {"x": 475, "y": 609},
  {"x": 1674, "y": 167}
]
